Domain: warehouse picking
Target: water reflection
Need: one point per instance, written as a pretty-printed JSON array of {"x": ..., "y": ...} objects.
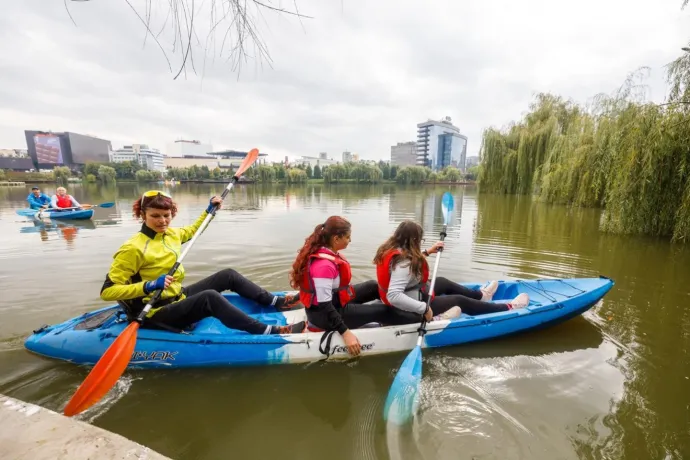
[{"x": 612, "y": 384}]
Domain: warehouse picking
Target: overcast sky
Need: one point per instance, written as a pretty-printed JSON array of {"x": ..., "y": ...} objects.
[{"x": 358, "y": 76}]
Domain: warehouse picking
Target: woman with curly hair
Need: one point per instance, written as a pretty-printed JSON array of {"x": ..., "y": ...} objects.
[
  {"x": 323, "y": 277},
  {"x": 402, "y": 273},
  {"x": 141, "y": 265}
]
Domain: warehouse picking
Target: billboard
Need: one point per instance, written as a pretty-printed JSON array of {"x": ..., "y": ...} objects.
[{"x": 48, "y": 149}]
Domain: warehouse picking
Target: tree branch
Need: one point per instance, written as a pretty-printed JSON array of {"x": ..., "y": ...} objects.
[{"x": 237, "y": 17}]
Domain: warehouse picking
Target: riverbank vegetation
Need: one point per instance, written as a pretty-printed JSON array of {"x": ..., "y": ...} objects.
[
  {"x": 625, "y": 155},
  {"x": 353, "y": 172}
]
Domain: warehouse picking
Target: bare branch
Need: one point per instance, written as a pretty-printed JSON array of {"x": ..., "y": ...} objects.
[
  {"x": 149, "y": 31},
  {"x": 241, "y": 40},
  {"x": 69, "y": 14}
]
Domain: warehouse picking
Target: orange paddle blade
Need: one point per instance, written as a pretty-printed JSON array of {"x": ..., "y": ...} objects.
[
  {"x": 247, "y": 162},
  {"x": 105, "y": 373}
]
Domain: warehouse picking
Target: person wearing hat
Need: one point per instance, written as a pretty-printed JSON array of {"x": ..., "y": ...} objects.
[{"x": 38, "y": 200}]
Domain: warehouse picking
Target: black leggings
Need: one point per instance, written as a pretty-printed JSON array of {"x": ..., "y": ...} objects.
[
  {"x": 204, "y": 300},
  {"x": 355, "y": 314},
  {"x": 449, "y": 295}
]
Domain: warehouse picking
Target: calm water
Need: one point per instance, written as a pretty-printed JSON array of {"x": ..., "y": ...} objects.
[{"x": 614, "y": 383}]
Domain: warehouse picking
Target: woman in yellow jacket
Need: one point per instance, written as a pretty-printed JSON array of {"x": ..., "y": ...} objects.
[{"x": 141, "y": 265}]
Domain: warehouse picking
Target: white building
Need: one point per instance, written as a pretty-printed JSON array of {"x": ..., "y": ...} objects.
[
  {"x": 321, "y": 160},
  {"x": 404, "y": 154},
  {"x": 440, "y": 144},
  {"x": 151, "y": 159},
  {"x": 347, "y": 157},
  {"x": 182, "y": 147}
]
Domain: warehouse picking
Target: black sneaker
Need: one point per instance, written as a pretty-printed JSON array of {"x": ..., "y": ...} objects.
[
  {"x": 289, "y": 302},
  {"x": 296, "y": 328}
]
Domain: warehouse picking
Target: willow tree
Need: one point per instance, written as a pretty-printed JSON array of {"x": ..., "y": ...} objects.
[{"x": 623, "y": 154}]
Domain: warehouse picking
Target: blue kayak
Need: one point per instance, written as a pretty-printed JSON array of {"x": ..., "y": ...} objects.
[
  {"x": 208, "y": 343},
  {"x": 74, "y": 214}
]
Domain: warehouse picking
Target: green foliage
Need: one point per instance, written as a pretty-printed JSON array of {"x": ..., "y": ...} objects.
[
  {"x": 352, "y": 172},
  {"x": 90, "y": 178},
  {"x": 61, "y": 174},
  {"x": 265, "y": 173},
  {"x": 450, "y": 174},
  {"x": 317, "y": 172},
  {"x": 148, "y": 176},
  {"x": 412, "y": 174},
  {"x": 309, "y": 171},
  {"x": 107, "y": 174},
  {"x": 629, "y": 157},
  {"x": 472, "y": 172},
  {"x": 2, "y": 174},
  {"x": 296, "y": 176},
  {"x": 126, "y": 170}
]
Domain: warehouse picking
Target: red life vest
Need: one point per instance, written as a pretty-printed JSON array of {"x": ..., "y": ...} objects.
[
  {"x": 345, "y": 291},
  {"x": 383, "y": 275},
  {"x": 64, "y": 201}
]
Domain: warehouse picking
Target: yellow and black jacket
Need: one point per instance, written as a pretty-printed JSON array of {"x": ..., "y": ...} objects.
[{"x": 145, "y": 257}]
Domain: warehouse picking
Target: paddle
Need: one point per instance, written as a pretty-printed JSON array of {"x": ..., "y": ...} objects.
[
  {"x": 108, "y": 204},
  {"x": 403, "y": 396},
  {"x": 114, "y": 361}
]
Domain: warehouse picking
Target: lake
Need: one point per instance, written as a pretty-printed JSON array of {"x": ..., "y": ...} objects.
[{"x": 612, "y": 383}]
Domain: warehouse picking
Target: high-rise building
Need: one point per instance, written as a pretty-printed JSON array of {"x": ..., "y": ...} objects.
[
  {"x": 440, "y": 144},
  {"x": 404, "y": 154},
  {"x": 347, "y": 157}
]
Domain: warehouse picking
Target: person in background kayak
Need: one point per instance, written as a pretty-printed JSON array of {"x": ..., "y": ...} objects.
[
  {"x": 141, "y": 265},
  {"x": 323, "y": 277},
  {"x": 62, "y": 200},
  {"x": 37, "y": 200},
  {"x": 403, "y": 277}
]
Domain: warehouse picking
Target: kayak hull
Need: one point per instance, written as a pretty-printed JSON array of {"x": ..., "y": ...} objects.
[
  {"x": 73, "y": 214},
  {"x": 84, "y": 339}
]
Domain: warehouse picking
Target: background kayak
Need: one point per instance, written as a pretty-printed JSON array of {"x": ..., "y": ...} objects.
[
  {"x": 82, "y": 340},
  {"x": 54, "y": 214}
]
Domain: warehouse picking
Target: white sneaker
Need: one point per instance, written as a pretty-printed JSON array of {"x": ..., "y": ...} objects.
[
  {"x": 521, "y": 301},
  {"x": 489, "y": 290},
  {"x": 449, "y": 314}
]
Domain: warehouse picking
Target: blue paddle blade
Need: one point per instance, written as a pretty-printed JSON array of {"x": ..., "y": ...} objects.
[
  {"x": 447, "y": 205},
  {"x": 403, "y": 396},
  {"x": 109, "y": 204}
]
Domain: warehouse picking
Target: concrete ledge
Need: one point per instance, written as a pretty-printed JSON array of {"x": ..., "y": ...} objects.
[{"x": 30, "y": 432}]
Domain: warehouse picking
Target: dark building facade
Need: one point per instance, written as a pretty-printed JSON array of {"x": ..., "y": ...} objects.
[
  {"x": 16, "y": 164},
  {"x": 48, "y": 149}
]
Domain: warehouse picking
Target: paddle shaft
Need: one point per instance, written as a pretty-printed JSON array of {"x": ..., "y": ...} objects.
[
  {"x": 422, "y": 326},
  {"x": 189, "y": 245}
]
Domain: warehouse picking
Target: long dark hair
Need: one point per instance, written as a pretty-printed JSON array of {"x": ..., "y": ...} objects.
[
  {"x": 407, "y": 237},
  {"x": 158, "y": 202},
  {"x": 321, "y": 236}
]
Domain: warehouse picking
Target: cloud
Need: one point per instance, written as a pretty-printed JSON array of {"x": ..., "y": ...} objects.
[{"x": 358, "y": 76}]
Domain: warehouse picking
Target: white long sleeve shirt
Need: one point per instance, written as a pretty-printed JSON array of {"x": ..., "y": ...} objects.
[{"x": 403, "y": 290}]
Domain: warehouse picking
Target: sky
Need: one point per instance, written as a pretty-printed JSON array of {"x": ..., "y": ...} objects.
[{"x": 357, "y": 75}]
